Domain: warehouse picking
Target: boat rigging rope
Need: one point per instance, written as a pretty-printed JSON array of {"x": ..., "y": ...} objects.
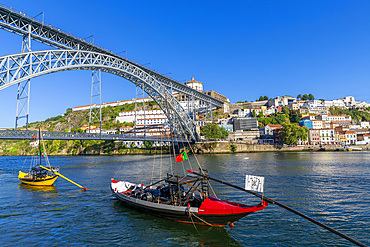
[
  {"x": 201, "y": 168},
  {"x": 155, "y": 154},
  {"x": 190, "y": 213},
  {"x": 160, "y": 167},
  {"x": 46, "y": 156},
  {"x": 192, "y": 219},
  {"x": 24, "y": 162}
]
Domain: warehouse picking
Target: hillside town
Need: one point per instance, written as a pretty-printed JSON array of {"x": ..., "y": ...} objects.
[{"x": 256, "y": 122}]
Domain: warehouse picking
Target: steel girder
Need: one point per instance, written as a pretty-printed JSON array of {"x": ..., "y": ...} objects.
[
  {"x": 19, "y": 23},
  {"x": 24, "y": 66}
]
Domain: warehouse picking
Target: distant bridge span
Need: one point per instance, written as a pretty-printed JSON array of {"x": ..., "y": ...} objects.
[{"x": 53, "y": 135}]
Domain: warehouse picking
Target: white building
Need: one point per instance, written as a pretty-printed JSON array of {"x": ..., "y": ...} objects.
[
  {"x": 331, "y": 118},
  {"x": 351, "y": 137},
  {"x": 190, "y": 106},
  {"x": 317, "y": 124},
  {"x": 281, "y": 101},
  {"x": 334, "y": 103},
  {"x": 105, "y": 132},
  {"x": 117, "y": 103},
  {"x": 327, "y": 136},
  {"x": 364, "y": 125},
  {"x": 129, "y": 116},
  {"x": 197, "y": 85}
]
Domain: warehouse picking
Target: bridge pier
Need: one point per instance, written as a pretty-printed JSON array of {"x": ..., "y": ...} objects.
[
  {"x": 24, "y": 87},
  {"x": 95, "y": 101}
]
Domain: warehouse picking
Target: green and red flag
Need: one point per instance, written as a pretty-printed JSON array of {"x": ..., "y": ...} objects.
[{"x": 181, "y": 157}]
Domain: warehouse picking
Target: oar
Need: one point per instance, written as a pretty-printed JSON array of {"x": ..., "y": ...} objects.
[
  {"x": 57, "y": 173},
  {"x": 283, "y": 206}
]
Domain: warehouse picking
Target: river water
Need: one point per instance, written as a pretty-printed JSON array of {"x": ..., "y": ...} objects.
[{"x": 332, "y": 187}]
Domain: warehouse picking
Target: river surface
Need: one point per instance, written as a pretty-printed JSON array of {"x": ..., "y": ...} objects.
[{"x": 331, "y": 187}]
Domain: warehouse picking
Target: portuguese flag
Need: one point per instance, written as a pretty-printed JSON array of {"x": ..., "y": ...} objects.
[{"x": 181, "y": 157}]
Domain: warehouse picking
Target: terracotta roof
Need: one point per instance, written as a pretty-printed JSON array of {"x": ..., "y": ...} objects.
[
  {"x": 192, "y": 80},
  {"x": 274, "y": 125}
]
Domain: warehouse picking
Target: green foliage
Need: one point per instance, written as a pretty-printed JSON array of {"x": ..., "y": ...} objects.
[
  {"x": 213, "y": 131},
  {"x": 54, "y": 118},
  {"x": 285, "y": 110},
  {"x": 295, "y": 116},
  {"x": 306, "y": 97},
  {"x": 277, "y": 118},
  {"x": 262, "y": 98},
  {"x": 233, "y": 148},
  {"x": 291, "y": 134},
  {"x": 108, "y": 147},
  {"x": 148, "y": 144}
]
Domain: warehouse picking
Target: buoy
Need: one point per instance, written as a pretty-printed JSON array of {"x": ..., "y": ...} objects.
[{"x": 231, "y": 224}]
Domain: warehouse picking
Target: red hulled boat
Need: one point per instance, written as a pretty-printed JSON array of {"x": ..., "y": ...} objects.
[{"x": 183, "y": 199}]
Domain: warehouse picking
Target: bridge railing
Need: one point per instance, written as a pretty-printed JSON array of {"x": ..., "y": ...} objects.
[{"x": 53, "y": 135}]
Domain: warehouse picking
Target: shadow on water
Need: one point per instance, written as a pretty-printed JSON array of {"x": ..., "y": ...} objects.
[{"x": 181, "y": 232}]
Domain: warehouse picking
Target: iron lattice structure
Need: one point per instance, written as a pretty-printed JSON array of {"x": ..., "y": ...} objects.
[
  {"x": 19, "y": 23},
  {"x": 19, "y": 67}
]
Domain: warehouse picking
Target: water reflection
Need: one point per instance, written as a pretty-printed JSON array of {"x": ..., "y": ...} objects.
[
  {"x": 196, "y": 235},
  {"x": 44, "y": 191}
]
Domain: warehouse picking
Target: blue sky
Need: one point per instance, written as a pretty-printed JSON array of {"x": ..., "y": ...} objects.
[{"x": 242, "y": 49}]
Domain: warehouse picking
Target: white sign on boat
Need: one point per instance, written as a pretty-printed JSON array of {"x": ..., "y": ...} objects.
[{"x": 254, "y": 183}]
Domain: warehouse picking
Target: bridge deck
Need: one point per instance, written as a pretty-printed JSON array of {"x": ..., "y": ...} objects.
[{"x": 51, "y": 135}]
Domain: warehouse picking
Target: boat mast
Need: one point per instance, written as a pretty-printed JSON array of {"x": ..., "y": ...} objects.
[{"x": 39, "y": 145}]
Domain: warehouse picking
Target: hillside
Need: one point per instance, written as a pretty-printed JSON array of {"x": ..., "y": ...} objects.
[{"x": 72, "y": 122}]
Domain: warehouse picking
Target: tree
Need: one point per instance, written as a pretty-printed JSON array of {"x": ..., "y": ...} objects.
[
  {"x": 279, "y": 119},
  {"x": 299, "y": 96},
  {"x": 233, "y": 148},
  {"x": 311, "y": 97},
  {"x": 295, "y": 116},
  {"x": 291, "y": 134},
  {"x": 260, "y": 98},
  {"x": 148, "y": 144},
  {"x": 305, "y": 97},
  {"x": 213, "y": 131},
  {"x": 265, "y": 98},
  {"x": 285, "y": 110},
  {"x": 260, "y": 114}
]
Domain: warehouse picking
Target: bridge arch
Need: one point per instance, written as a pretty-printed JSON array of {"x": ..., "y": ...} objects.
[{"x": 23, "y": 66}]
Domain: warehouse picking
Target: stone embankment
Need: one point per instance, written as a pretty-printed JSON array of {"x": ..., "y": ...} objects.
[{"x": 231, "y": 147}]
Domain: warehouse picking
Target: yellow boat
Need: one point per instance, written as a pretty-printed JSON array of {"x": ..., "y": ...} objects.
[{"x": 39, "y": 175}]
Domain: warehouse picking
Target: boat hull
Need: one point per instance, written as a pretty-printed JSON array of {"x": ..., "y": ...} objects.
[
  {"x": 191, "y": 215},
  {"x": 46, "y": 181}
]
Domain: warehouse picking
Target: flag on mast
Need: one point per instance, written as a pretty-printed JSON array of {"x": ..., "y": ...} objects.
[
  {"x": 181, "y": 157},
  {"x": 254, "y": 183}
]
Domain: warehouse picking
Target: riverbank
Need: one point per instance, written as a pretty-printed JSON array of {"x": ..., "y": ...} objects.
[
  {"x": 74, "y": 148},
  {"x": 234, "y": 147}
]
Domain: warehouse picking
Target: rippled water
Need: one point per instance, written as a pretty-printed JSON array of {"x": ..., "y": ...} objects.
[{"x": 330, "y": 187}]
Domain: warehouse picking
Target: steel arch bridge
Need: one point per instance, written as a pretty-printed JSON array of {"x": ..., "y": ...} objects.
[
  {"x": 78, "y": 54},
  {"x": 23, "y": 66}
]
